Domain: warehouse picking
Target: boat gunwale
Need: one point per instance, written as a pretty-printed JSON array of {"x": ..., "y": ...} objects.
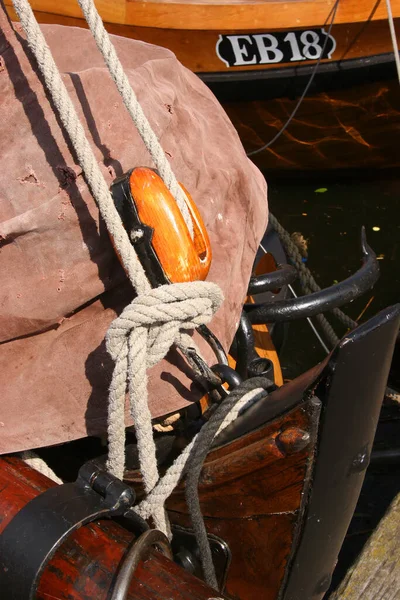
[{"x": 221, "y": 15}]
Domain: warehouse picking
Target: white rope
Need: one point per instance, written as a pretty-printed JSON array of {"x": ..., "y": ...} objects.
[
  {"x": 138, "y": 339},
  {"x": 133, "y": 106},
  {"x": 147, "y": 328},
  {"x": 393, "y": 36},
  {"x": 84, "y": 153},
  {"x": 37, "y": 463},
  {"x": 173, "y": 475}
]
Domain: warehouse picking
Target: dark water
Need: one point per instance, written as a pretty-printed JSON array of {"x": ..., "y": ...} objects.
[{"x": 331, "y": 222}]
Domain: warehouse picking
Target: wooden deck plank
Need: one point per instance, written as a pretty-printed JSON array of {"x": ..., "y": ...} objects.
[{"x": 376, "y": 573}]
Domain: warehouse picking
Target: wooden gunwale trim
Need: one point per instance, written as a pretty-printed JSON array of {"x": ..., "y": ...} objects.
[
  {"x": 197, "y": 49},
  {"x": 223, "y": 15}
]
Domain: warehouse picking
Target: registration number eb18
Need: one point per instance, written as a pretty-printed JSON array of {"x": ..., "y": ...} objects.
[{"x": 240, "y": 50}]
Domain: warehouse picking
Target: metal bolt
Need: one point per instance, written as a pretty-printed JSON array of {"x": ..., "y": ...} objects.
[{"x": 292, "y": 440}]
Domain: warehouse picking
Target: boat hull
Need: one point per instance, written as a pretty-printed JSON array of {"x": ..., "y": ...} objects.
[{"x": 348, "y": 118}]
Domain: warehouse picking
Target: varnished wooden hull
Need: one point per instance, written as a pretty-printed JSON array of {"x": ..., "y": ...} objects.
[
  {"x": 349, "y": 117},
  {"x": 85, "y": 565},
  {"x": 192, "y": 30}
]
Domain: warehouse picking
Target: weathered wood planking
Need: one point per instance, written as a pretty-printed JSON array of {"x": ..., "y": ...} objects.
[{"x": 376, "y": 573}]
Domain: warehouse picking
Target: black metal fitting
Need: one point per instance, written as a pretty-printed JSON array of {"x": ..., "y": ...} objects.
[
  {"x": 268, "y": 282},
  {"x": 117, "y": 495},
  {"x": 261, "y": 367},
  {"x": 324, "y": 300},
  {"x": 138, "y": 551},
  {"x": 140, "y": 234},
  {"x": 214, "y": 344},
  {"x": 36, "y": 532},
  {"x": 226, "y": 375},
  {"x": 187, "y": 553},
  {"x": 249, "y": 363}
]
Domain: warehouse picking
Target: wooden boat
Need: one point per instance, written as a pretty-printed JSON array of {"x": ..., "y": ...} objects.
[
  {"x": 258, "y": 57},
  {"x": 283, "y": 475}
]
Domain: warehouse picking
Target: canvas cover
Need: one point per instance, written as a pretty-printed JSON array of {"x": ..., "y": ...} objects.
[{"x": 61, "y": 282}]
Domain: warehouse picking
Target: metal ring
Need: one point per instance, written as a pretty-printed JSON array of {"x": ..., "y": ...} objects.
[
  {"x": 214, "y": 343},
  {"x": 138, "y": 551},
  {"x": 227, "y": 375}
]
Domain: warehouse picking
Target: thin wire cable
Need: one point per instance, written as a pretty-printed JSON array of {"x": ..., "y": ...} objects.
[
  {"x": 321, "y": 341},
  {"x": 315, "y": 330},
  {"x": 296, "y": 108},
  {"x": 393, "y": 36}
]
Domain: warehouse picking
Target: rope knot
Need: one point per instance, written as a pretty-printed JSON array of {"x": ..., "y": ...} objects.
[
  {"x": 139, "y": 338},
  {"x": 155, "y": 319}
]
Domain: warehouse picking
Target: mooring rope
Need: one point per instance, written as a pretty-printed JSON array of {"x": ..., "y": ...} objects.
[
  {"x": 246, "y": 392},
  {"x": 133, "y": 106},
  {"x": 135, "y": 340},
  {"x": 37, "y": 463},
  {"x": 138, "y": 339},
  {"x": 175, "y": 472},
  {"x": 84, "y": 153}
]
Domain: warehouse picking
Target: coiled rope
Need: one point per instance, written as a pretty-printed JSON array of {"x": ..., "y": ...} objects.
[{"x": 182, "y": 307}]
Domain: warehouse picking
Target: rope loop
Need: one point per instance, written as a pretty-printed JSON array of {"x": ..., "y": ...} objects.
[
  {"x": 137, "y": 340},
  {"x": 161, "y": 313}
]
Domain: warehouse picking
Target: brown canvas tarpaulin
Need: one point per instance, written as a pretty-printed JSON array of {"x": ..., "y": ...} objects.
[{"x": 61, "y": 283}]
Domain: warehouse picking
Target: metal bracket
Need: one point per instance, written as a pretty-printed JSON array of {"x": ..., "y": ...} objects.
[
  {"x": 275, "y": 280},
  {"x": 324, "y": 300},
  {"x": 33, "y": 536},
  {"x": 140, "y": 234},
  {"x": 187, "y": 555}
]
